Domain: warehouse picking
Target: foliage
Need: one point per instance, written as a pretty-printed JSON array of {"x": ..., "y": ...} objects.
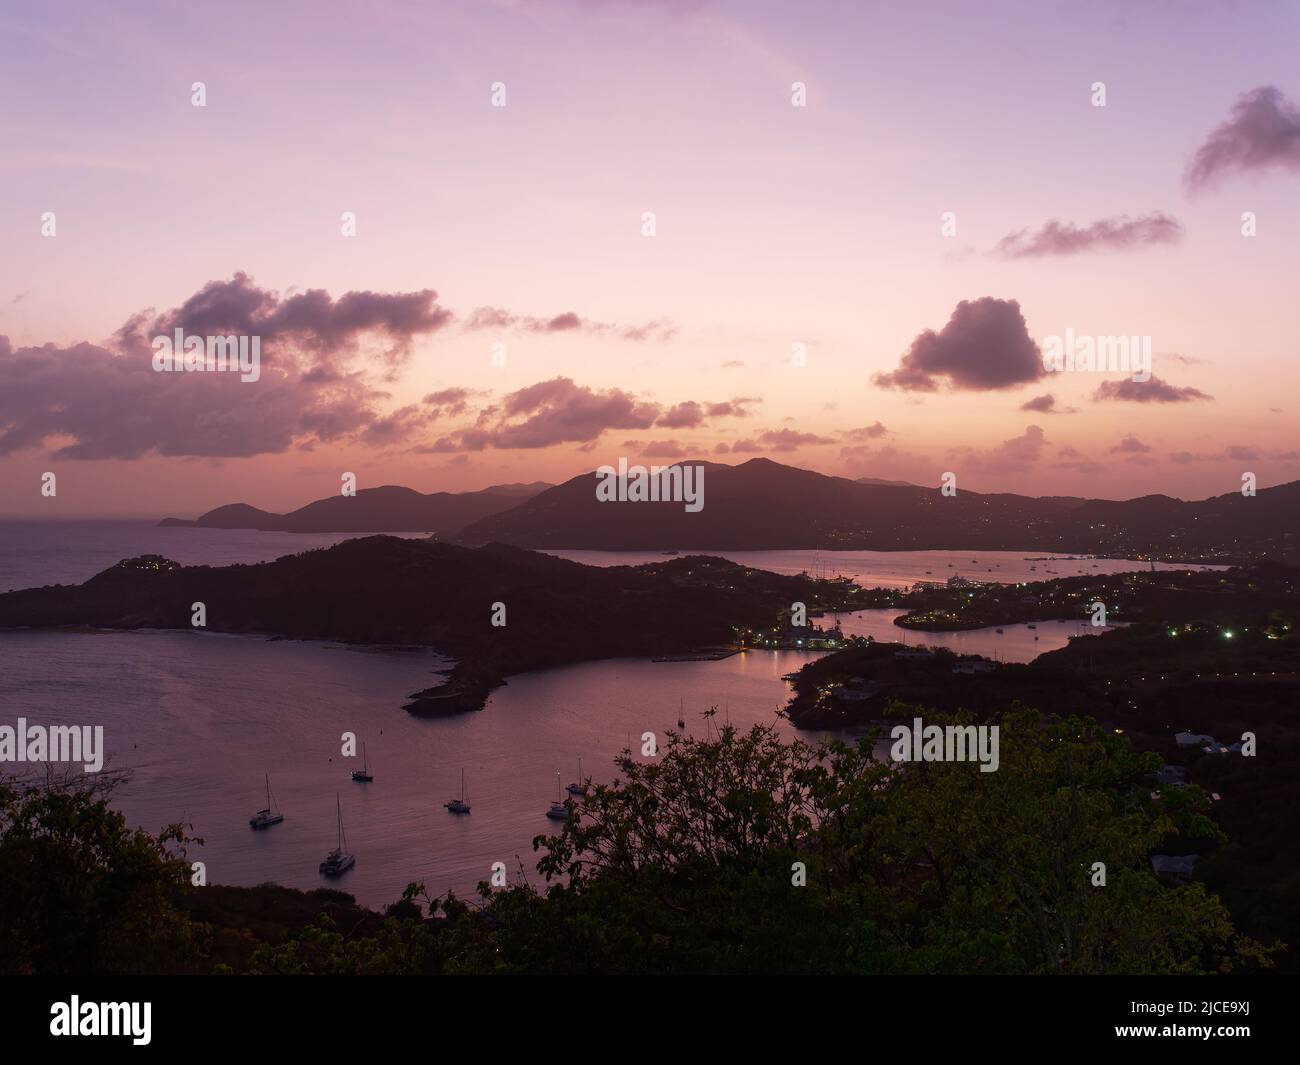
[{"x": 82, "y": 893}]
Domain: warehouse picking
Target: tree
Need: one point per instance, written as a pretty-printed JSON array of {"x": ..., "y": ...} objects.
[{"x": 82, "y": 893}]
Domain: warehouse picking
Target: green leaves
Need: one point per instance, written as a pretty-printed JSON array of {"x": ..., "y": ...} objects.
[{"x": 684, "y": 865}]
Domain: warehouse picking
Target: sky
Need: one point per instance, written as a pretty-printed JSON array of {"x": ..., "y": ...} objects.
[{"x": 838, "y": 235}]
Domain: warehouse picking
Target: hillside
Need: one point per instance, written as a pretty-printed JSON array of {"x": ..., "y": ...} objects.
[
  {"x": 761, "y": 504},
  {"x": 390, "y": 508}
]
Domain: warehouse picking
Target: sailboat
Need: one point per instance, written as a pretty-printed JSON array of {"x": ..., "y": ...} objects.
[
  {"x": 269, "y": 816},
  {"x": 362, "y": 775},
  {"x": 459, "y": 806},
  {"x": 579, "y": 786},
  {"x": 338, "y": 861},
  {"x": 558, "y": 811},
  {"x": 681, "y": 713}
]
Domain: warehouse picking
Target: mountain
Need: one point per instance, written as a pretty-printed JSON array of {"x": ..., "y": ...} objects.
[
  {"x": 761, "y": 504},
  {"x": 892, "y": 484},
  {"x": 387, "y": 509},
  {"x": 390, "y": 590}
]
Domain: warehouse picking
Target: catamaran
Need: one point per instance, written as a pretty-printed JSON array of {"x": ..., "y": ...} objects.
[
  {"x": 459, "y": 806},
  {"x": 269, "y": 816},
  {"x": 579, "y": 786},
  {"x": 558, "y": 811},
  {"x": 339, "y": 860},
  {"x": 362, "y": 775}
]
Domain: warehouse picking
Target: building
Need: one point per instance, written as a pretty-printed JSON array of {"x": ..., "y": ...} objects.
[
  {"x": 1176, "y": 869},
  {"x": 978, "y": 665}
]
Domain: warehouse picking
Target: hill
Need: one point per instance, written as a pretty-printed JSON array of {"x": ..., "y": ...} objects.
[
  {"x": 390, "y": 508},
  {"x": 761, "y": 504}
]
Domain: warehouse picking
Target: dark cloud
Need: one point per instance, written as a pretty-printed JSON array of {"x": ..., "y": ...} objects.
[
  {"x": 690, "y": 414},
  {"x": 558, "y": 411},
  {"x": 1154, "y": 390},
  {"x": 1105, "y": 234},
  {"x": 984, "y": 346},
  {"x": 1263, "y": 132},
  {"x": 683, "y": 416},
  {"x": 1046, "y": 404},
  {"x": 450, "y": 401},
  {"x": 114, "y": 405},
  {"x": 107, "y": 401},
  {"x": 309, "y": 322},
  {"x": 561, "y": 323},
  {"x": 396, "y": 427},
  {"x": 732, "y": 408}
]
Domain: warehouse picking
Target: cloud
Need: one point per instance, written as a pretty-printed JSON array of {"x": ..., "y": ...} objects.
[
  {"x": 984, "y": 346},
  {"x": 791, "y": 439},
  {"x": 1011, "y": 456},
  {"x": 451, "y": 401},
  {"x": 1131, "y": 445},
  {"x": 727, "y": 364},
  {"x": 1044, "y": 404},
  {"x": 1106, "y": 234},
  {"x": 1263, "y": 132},
  {"x": 1235, "y": 453},
  {"x": 657, "y": 449},
  {"x": 660, "y": 329},
  {"x": 867, "y": 432},
  {"x": 1154, "y": 390},
  {"x": 733, "y": 408},
  {"x": 395, "y": 427},
  {"x": 683, "y": 416},
  {"x": 310, "y": 322},
  {"x": 107, "y": 401},
  {"x": 557, "y": 411},
  {"x": 1080, "y": 466}
]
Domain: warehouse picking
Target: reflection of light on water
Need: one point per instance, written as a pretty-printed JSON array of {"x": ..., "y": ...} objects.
[
  {"x": 1015, "y": 643},
  {"x": 251, "y": 706}
]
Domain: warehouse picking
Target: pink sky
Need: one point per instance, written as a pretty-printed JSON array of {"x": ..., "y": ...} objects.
[{"x": 776, "y": 225}]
